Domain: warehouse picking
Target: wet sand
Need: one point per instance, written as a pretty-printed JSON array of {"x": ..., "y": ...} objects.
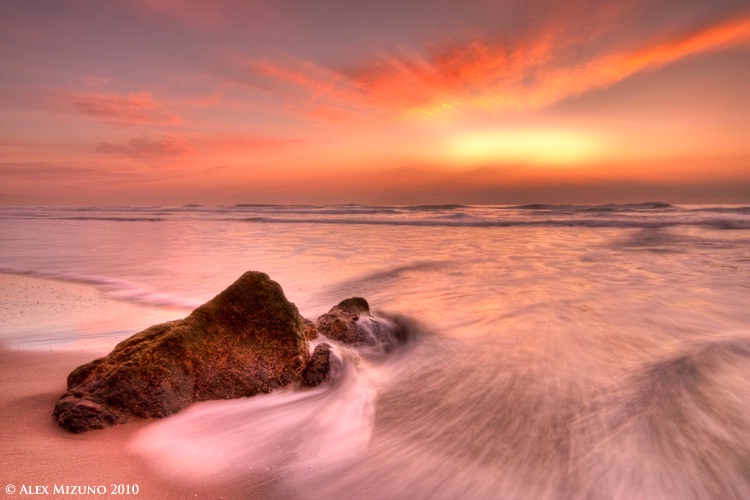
[
  {"x": 37, "y": 452},
  {"x": 53, "y": 314},
  {"x": 34, "y": 450}
]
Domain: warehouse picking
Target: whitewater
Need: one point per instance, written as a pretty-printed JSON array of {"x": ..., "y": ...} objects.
[{"x": 554, "y": 351}]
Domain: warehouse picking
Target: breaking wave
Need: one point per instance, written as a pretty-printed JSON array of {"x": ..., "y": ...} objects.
[{"x": 635, "y": 215}]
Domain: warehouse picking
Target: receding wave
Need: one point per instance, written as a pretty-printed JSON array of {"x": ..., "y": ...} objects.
[
  {"x": 114, "y": 288},
  {"x": 371, "y": 283},
  {"x": 685, "y": 412},
  {"x": 292, "y": 433}
]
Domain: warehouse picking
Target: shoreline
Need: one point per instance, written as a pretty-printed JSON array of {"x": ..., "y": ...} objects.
[
  {"x": 40, "y": 313},
  {"x": 34, "y": 366},
  {"x": 37, "y": 452}
]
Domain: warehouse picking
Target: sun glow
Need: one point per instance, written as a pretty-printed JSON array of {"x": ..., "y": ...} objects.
[{"x": 546, "y": 147}]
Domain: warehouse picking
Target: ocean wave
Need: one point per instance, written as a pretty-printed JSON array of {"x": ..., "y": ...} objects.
[
  {"x": 687, "y": 412},
  {"x": 725, "y": 210},
  {"x": 436, "y": 207},
  {"x": 396, "y": 273},
  {"x": 294, "y": 434},
  {"x": 609, "y": 207},
  {"x": 638, "y": 215},
  {"x": 460, "y": 222},
  {"x": 727, "y": 224},
  {"x": 451, "y": 222},
  {"x": 538, "y": 206},
  {"x": 322, "y": 210},
  {"x": 116, "y": 219}
]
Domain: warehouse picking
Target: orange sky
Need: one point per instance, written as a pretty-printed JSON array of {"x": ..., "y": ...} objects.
[{"x": 150, "y": 102}]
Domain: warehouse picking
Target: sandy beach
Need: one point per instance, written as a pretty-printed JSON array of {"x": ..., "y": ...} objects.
[
  {"x": 55, "y": 314},
  {"x": 35, "y": 451}
]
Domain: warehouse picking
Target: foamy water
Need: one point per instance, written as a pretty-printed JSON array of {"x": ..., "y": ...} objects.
[{"x": 554, "y": 351}]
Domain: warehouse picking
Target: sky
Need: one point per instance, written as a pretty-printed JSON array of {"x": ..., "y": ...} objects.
[{"x": 170, "y": 102}]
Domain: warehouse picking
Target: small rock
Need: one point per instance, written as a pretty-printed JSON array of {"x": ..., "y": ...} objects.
[
  {"x": 340, "y": 323},
  {"x": 324, "y": 365},
  {"x": 351, "y": 322}
]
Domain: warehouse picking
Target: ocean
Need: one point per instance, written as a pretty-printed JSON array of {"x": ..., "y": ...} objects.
[{"x": 554, "y": 351}]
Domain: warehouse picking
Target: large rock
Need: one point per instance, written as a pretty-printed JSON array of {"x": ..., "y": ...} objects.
[{"x": 248, "y": 339}]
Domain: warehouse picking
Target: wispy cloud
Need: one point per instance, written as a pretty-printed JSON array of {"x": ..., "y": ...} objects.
[
  {"x": 31, "y": 169},
  {"x": 197, "y": 15},
  {"x": 207, "y": 101},
  {"x": 211, "y": 16},
  {"x": 448, "y": 78},
  {"x": 128, "y": 109},
  {"x": 147, "y": 150},
  {"x": 612, "y": 68},
  {"x": 95, "y": 81}
]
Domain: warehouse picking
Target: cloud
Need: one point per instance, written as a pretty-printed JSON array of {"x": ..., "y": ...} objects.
[
  {"x": 41, "y": 169},
  {"x": 129, "y": 109},
  {"x": 95, "y": 81},
  {"x": 210, "y": 100},
  {"x": 216, "y": 169},
  {"x": 148, "y": 150},
  {"x": 248, "y": 143},
  {"x": 612, "y": 68},
  {"x": 532, "y": 72},
  {"x": 318, "y": 81},
  {"x": 211, "y": 16},
  {"x": 197, "y": 15}
]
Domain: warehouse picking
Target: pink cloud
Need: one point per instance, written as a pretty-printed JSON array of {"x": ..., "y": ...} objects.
[
  {"x": 198, "y": 15},
  {"x": 147, "y": 149},
  {"x": 36, "y": 170},
  {"x": 130, "y": 109},
  {"x": 544, "y": 68},
  {"x": 208, "y": 101},
  {"x": 210, "y": 16},
  {"x": 308, "y": 76},
  {"x": 95, "y": 81},
  {"x": 611, "y": 68},
  {"x": 236, "y": 147}
]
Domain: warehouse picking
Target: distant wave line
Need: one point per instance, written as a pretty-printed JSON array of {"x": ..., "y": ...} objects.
[{"x": 717, "y": 224}]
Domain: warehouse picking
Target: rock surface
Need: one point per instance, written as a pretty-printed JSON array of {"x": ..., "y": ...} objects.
[
  {"x": 340, "y": 323},
  {"x": 351, "y": 322},
  {"x": 311, "y": 332},
  {"x": 248, "y": 339},
  {"x": 323, "y": 365}
]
